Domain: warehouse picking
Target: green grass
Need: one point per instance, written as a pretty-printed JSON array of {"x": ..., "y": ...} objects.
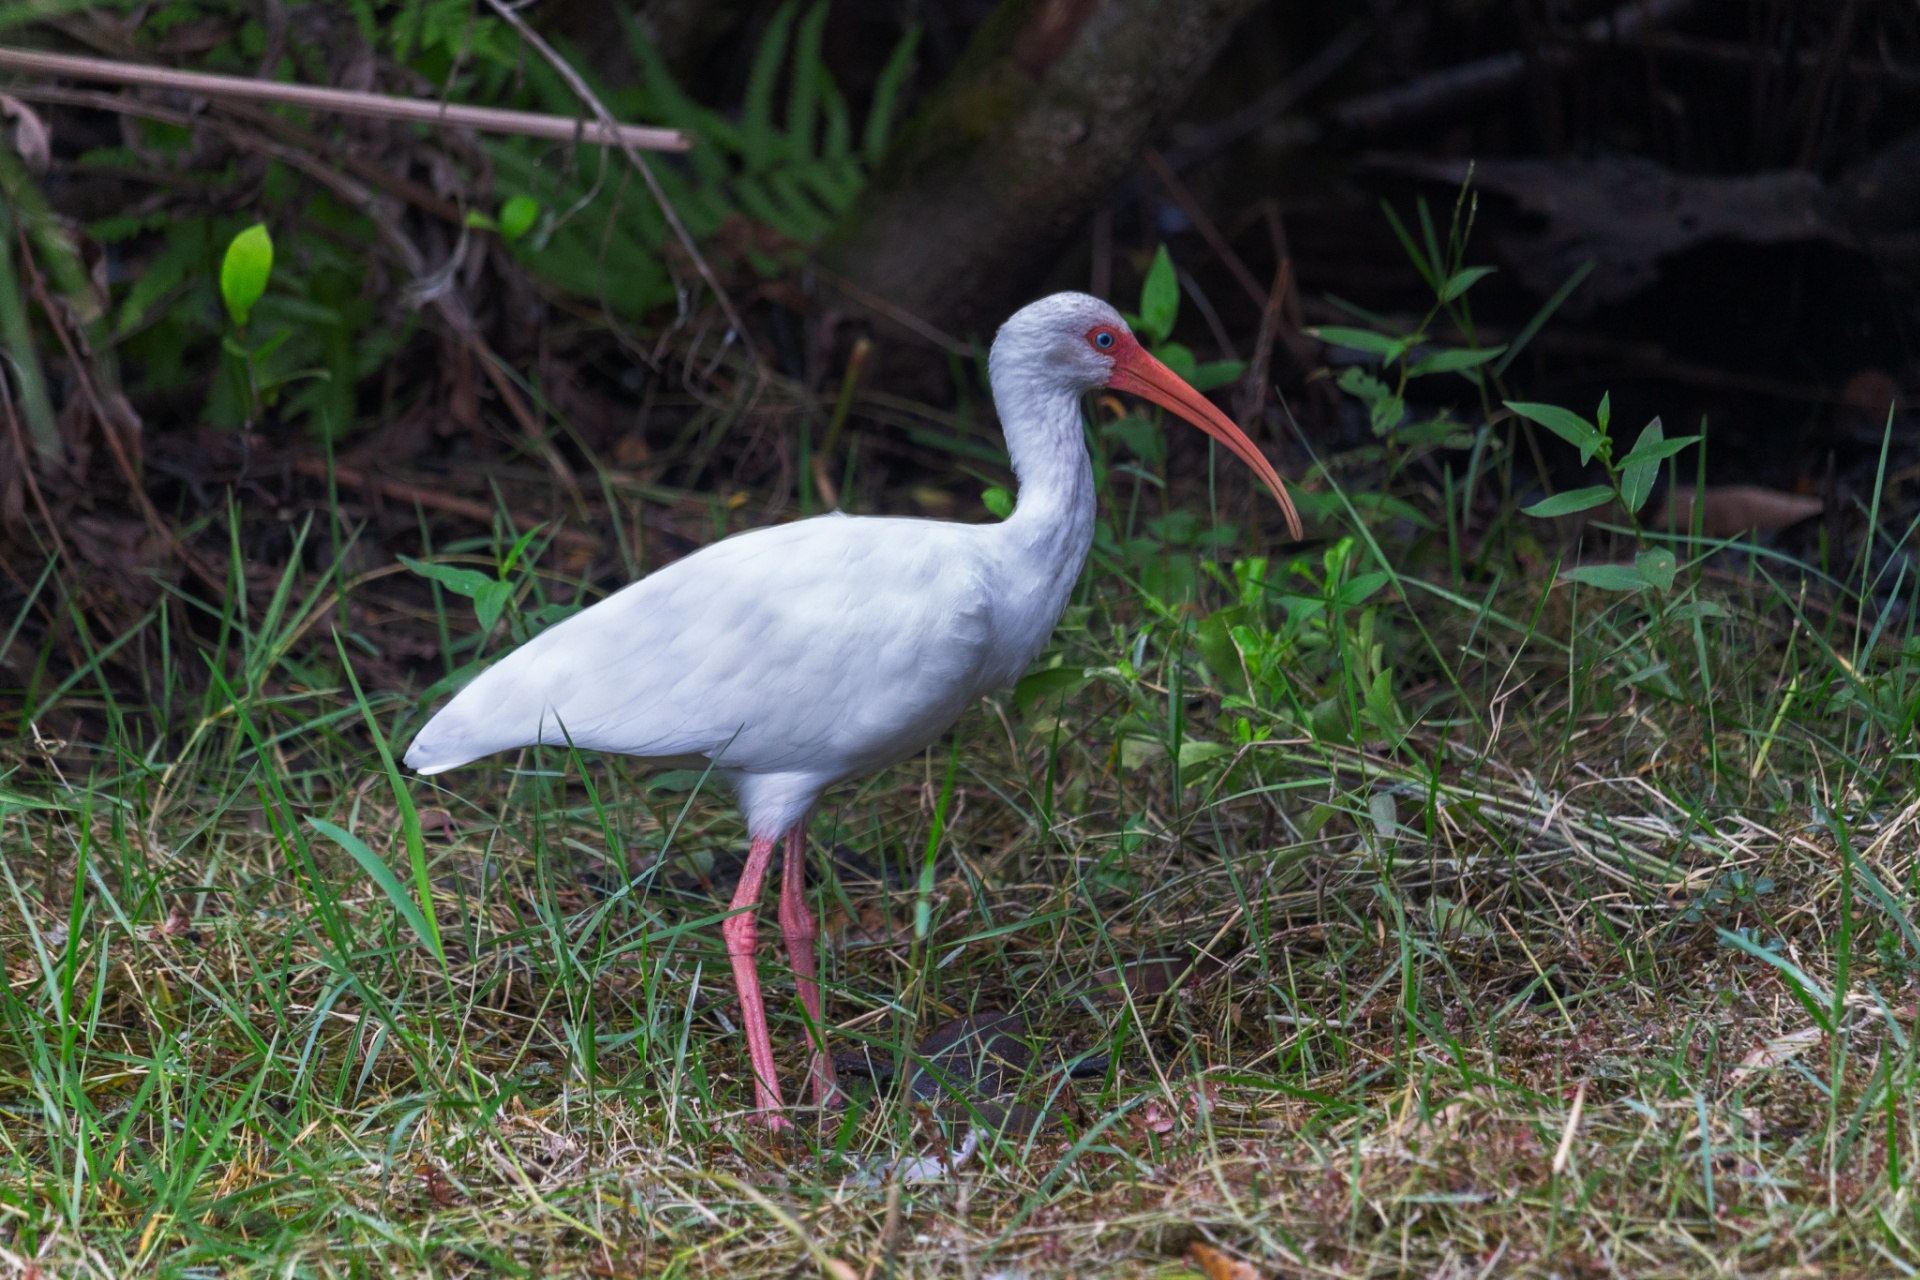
[{"x": 1642, "y": 858}]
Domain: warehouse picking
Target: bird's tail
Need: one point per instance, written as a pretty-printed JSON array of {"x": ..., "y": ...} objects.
[{"x": 496, "y": 712}]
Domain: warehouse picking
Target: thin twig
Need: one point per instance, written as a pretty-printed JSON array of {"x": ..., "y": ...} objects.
[
  {"x": 1204, "y": 225},
  {"x": 586, "y": 95},
  {"x": 349, "y": 102}
]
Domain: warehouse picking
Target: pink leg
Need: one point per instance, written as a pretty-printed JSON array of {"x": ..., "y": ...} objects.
[
  {"x": 796, "y": 922},
  {"x": 742, "y": 935}
]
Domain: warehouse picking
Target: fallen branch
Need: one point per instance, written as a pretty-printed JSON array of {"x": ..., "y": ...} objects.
[{"x": 349, "y": 102}]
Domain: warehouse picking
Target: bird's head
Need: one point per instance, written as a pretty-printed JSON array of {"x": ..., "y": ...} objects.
[{"x": 1079, "y": 344}]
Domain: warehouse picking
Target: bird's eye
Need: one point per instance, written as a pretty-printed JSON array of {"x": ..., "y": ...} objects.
[{"x": 1103, "y": 339}]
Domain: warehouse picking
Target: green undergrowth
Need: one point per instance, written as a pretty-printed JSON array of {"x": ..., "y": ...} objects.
[
  {"x": 1521, "y": 924},
  {"x": 1420, "y": 900}
]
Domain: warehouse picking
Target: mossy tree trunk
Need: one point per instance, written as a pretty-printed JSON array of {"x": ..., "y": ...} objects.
[{"x": 1052, "y": 103}]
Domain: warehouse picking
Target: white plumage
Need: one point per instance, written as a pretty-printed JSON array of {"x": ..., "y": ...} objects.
[{"x": 806, "y": 654}]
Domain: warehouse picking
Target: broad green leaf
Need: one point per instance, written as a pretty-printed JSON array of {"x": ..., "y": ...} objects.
[
  {"x": 1699, "y": 609},
  {"x": 1045, "y": 684},
  {"x": 1160, "y": 298},
  {"x": 244, "y": 271},
  {"x": 381, "y": 875},
  {"x": 1177, "y": 358},
  {"x": 1464, "y": 280},
  {"x": 462, "y": 582},
  {"x": 1657, "y": 450},
  {"x": 1607, "y": 577},
  {"x": 1388, "y": 348},
  {"x": 1640, "y": 468},
  {"x": 1216, "y": 373},
  {"x": 1453, "y": 361},
  {"x": 490, "y": 602},
  {"x": 1356, "y": 591},
  {"x": 998, "y": 501},
  {"x": 1565, "y": 504},
  {"x": 1565, "y": 423},
  {"x": 517, "y": 217},
  {"x": 1195, "y": 752},
  {"x": 1657, "y": 567}
]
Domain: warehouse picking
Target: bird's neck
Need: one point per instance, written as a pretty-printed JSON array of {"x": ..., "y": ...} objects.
[{"x": 1052, "y": 520}]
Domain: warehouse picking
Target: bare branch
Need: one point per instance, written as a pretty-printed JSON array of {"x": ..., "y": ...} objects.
[{"x": 347, "y": 102}]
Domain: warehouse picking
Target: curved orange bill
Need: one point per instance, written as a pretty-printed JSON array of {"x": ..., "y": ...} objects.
[{"x": 1136, "y": 371}]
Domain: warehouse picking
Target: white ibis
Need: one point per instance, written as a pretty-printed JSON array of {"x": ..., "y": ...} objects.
[{"x": 794, "y": 657}]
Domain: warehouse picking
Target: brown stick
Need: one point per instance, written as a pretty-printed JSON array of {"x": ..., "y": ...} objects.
[
  {"x": 433, "y": 499},
  {"x": 348, "y": 102},
  {"x": 1251, "y": 404},
  {"x": 102, "y": 100}
]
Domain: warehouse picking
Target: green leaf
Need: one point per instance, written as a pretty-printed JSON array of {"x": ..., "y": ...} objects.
[
  {"x": 517, "y": 217},
  {"x": 491, "y": 601},
  {"x": 1699, "y": 609},
  {"x": 1464, "y": 280},
  {"x": 381, "y": 875},
  {"x": 1655, "y": 450},
  {"x": 1216, "y": 373},
  {"x": 244, "y": 271},
  {"x": 1565, "y": 423},
  {"x": 1379, "y": 344},
  {"x": 1453, "y": 361},
  {"x": 1160, "y": 297},
  {"x": 886, "y": 95},
  {"x": 1356, "y": 591},
  {"x": 1565, "y": 504},
  {"x": 1177, "y": 358},
  {"x": 1657, "y": 567},
  {"x": 998, "y": 501},
  {"x": 1607, "y": 577},
  {"x": 1195, "y": 752},
  {"x": 1384, "y": 409},
  {"x": 1041, "y": 685},
  {"x": 1639, "y": 468},
  {"x": 462, "y": 582}
]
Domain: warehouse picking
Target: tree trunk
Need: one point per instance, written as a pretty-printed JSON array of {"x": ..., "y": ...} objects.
[{"x": 1051, "y": 104}]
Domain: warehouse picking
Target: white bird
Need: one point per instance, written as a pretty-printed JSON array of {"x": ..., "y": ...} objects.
[{"x": 798, "y": 656}]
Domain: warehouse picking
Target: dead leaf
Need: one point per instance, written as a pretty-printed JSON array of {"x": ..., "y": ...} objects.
[
  {"x": 1216, "y": 1265},
  {"x": 441, "y": 1193},
  {"x": 31, "y": 137},
  {"x": 1772, "y": 1053},
  {"x": 1735, "y": 508},
  {"x": 438, "y": 820}
]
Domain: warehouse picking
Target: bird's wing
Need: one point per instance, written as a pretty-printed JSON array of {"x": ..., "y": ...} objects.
[{"x": 818, "y": 645}]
